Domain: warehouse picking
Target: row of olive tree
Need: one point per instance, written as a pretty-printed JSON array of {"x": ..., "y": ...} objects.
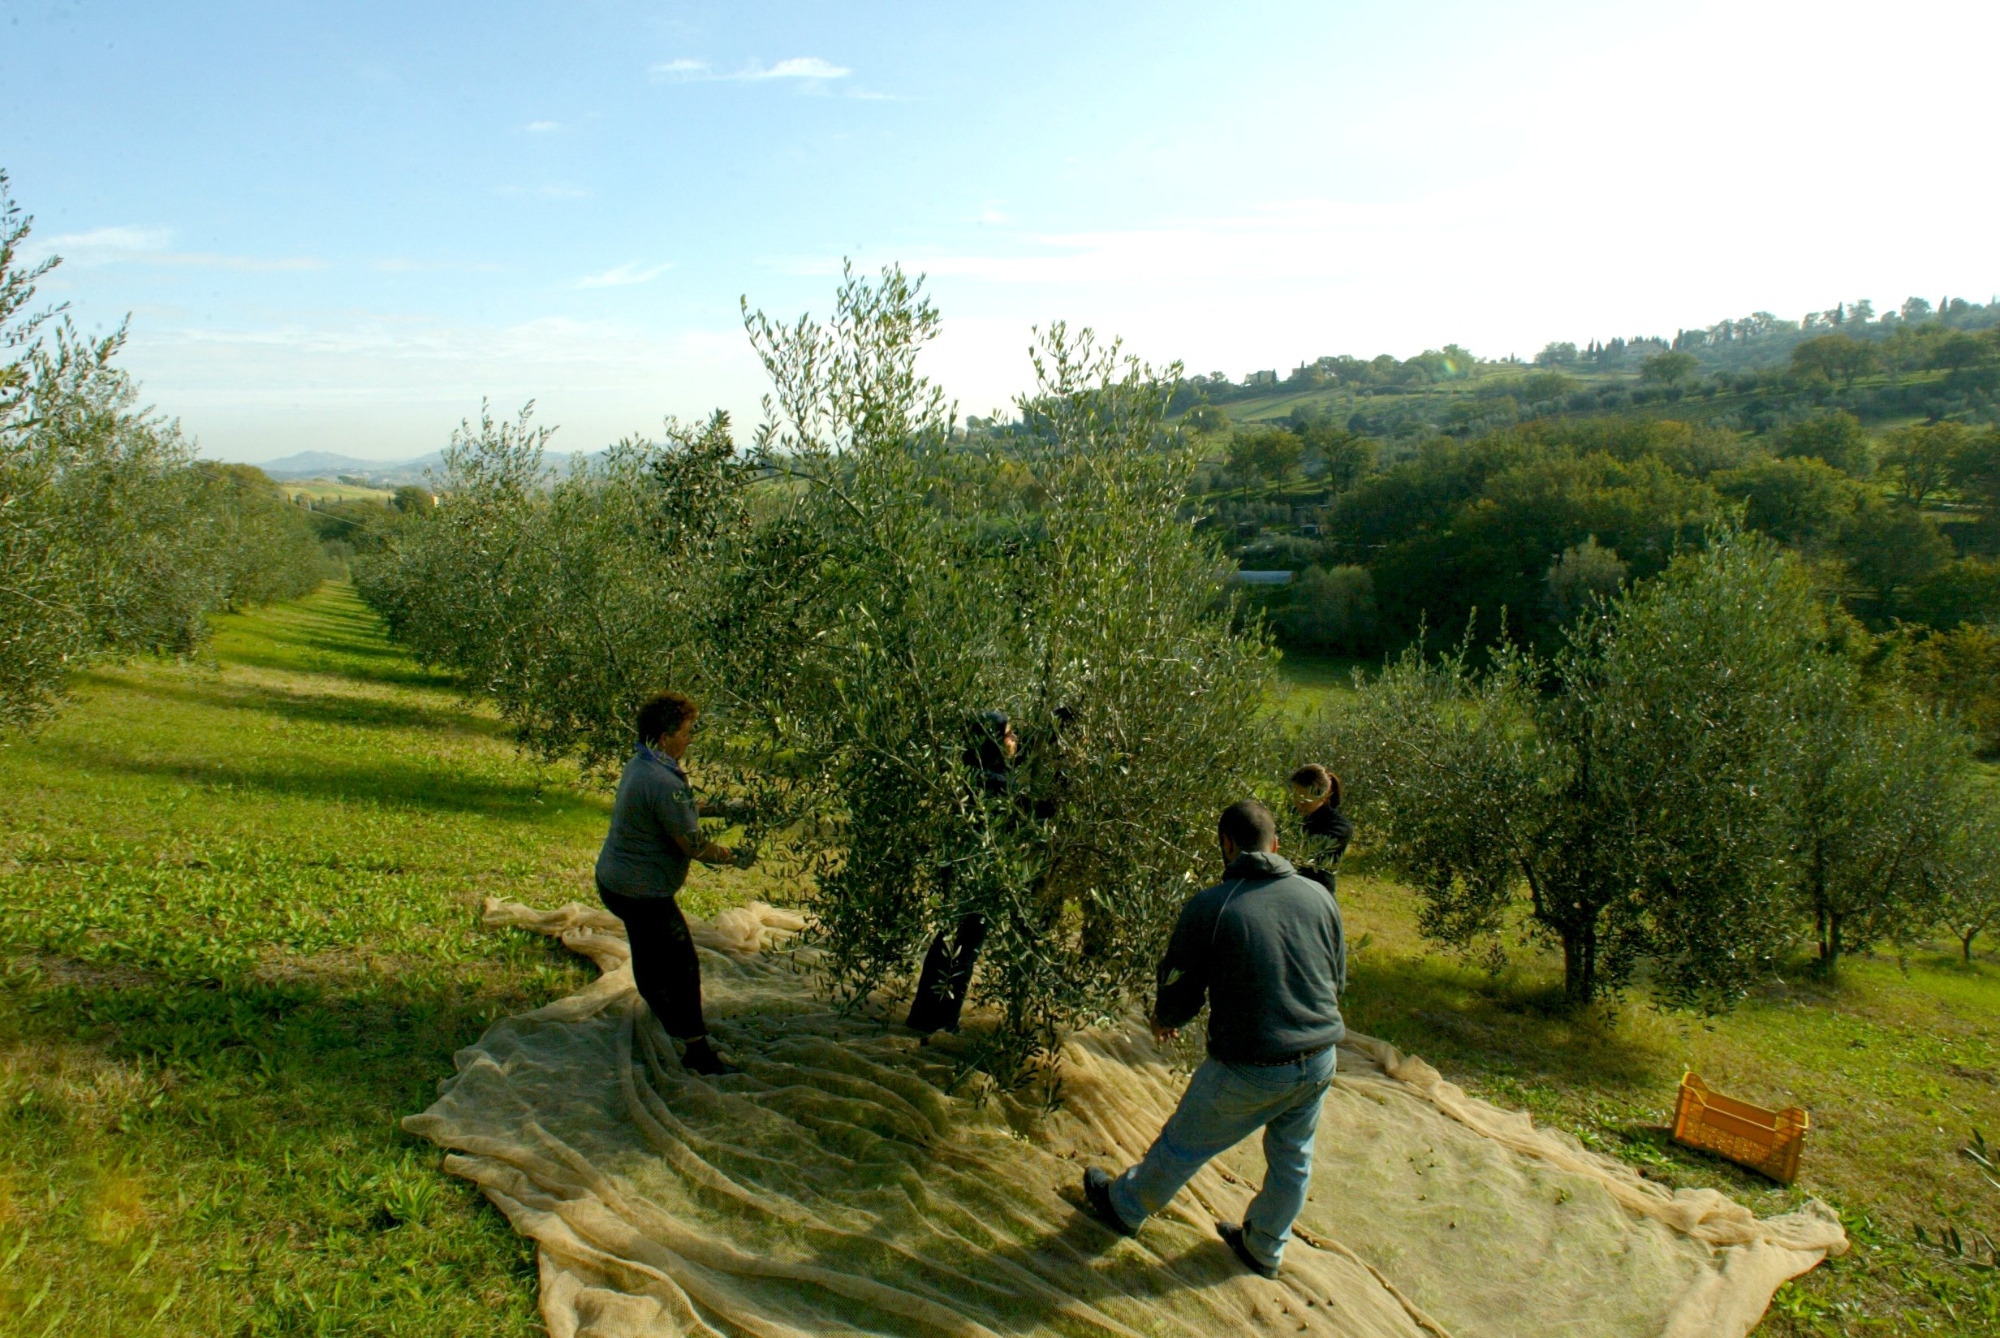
[
  {"x": 566, "y": 600},
  {"x": 113, "y": 538},
  {"x": 847, "y": 598},
  {"x": 1698, "y": 778}
]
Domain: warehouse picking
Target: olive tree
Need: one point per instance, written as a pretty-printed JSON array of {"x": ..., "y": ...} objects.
[
  {"x": 846, "y": 599},
  {"x": 1967, "y": 879},
  {"x": 266, "y": 549},
  {"x": 114, "y": 539},
  {"x": 901, "y": 579},
  {"x": 1878, "y": 804},
  {"x": 1626, "y": 785}
]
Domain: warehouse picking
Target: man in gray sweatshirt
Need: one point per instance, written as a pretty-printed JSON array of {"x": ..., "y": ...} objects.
[{"x": 1264, "y": 949}]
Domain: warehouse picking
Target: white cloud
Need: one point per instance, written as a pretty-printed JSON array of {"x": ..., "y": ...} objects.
[
  {"x": 806, "y": 68},
  {"x": 800, "y": 67},
  {"x": 392, "y": 386},
  {"x": 542, "y": 127},
  {"x": 152, "y": 246},
  {"x": 624, "y": 276}
]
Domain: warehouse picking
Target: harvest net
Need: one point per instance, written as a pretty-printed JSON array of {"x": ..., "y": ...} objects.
[{"x": 840, "y": 1187}]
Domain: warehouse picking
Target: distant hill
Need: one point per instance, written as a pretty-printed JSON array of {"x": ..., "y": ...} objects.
[{"x": 380, "y": 473}]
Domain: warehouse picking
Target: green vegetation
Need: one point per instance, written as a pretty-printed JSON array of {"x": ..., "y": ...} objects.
[
  {"x": 847, "y": 600},
  {"x": 1700, "y": 777},
  {"x": 1423, "y": 497},
  {"x": 238, "y": 941},
  {"x": 201, "y": 1108},
  {"x": 114, "y": 539}
]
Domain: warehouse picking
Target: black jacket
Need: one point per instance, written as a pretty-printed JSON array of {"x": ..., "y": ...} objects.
[
  {"x": 1265, "y": 949},
  {"x": 1328, "y": 831}
]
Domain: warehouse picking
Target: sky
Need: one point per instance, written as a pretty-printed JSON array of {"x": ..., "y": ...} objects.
[{"x": 342, "y": 227}]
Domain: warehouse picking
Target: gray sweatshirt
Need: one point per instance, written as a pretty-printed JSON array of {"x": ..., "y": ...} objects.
[
  {"x": 654, "y": 804},
  {"x": 1265, "y": 949}
]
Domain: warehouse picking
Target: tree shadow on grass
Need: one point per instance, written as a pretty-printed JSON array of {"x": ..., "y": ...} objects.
[
  {"x": 332, "y": 632},
  {"x": 328, "y": 708},
  {"x": 1465, "y": 1020},
  {"x": 382, "y": 781}
]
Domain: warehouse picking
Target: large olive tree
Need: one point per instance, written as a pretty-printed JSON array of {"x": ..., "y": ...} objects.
[
  {"x": 1630, "y": 786},
  {"x": 902, "y": 580}
]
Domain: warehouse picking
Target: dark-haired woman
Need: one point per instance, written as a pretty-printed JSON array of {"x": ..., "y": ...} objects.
[
  {"x": 1316, "y": 799},
  {"x": 655, "y": 832}
]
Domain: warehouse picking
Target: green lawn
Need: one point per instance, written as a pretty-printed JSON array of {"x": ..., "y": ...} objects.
[{"x": 238, "y": 940}]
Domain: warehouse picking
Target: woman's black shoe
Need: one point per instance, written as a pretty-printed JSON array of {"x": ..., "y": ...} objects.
[{"x": 701, "y": 1058}]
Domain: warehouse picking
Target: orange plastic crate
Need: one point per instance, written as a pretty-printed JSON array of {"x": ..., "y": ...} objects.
[{"x": 1767, "y": 1141}]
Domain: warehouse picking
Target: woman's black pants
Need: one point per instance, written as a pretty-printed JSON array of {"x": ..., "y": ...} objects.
[
  {"x": 946, "y": 977},
  {"x": 664, "y": 965}
]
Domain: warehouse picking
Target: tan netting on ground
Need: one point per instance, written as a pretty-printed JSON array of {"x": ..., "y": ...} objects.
[{"x": 836, "y": 1187}]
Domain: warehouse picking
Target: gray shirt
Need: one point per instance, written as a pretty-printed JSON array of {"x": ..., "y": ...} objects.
[
  {"x": 654, "y": 804},
  {"x": 1265, "y": 950}
]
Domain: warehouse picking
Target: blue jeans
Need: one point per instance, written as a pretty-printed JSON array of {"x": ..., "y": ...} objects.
[{"x": 1223, "y": 1105}]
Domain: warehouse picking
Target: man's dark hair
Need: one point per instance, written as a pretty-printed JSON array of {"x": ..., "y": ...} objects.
[
  {"x": 1248, "y": 825},
  {"x": 665, "y": 713},
  {"x": 1316, "y": 779}
]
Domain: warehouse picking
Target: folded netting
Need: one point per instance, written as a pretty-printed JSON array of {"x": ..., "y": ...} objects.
[{"x": 846, "y": 1184}]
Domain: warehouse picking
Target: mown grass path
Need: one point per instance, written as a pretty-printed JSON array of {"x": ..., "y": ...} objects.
[{"x": 238, "y": 941}]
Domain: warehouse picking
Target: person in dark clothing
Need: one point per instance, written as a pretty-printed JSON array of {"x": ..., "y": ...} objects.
[
  {"x": 946, "y": 977},
  {"x": 1263, "y": 948},
  {"x": 655, "y": 833},
  {"x": 1316, "y": 799}
]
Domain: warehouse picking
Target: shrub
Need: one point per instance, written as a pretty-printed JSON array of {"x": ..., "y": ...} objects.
[{"x": 1331, "y": 609}]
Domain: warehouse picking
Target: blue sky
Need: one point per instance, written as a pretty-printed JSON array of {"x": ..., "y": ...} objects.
[{"x": 338, "y": 227}]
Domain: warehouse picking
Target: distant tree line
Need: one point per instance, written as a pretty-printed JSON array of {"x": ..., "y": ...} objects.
[{"x": 1568, "y": 487}]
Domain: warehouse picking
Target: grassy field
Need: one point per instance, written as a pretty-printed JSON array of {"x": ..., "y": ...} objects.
[
  {"x": 239, "y": 940},
  {"x": 333, "y": 490}
]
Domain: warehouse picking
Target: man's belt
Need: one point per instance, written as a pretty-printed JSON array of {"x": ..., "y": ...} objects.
[{"x": 1299, "y": 1058}]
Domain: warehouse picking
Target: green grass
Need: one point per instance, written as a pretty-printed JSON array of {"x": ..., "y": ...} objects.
[
  {"x": 239, "y": 940},
  {"x": 332, "y": 490},
  {"x": 1897, "y": 1062}
]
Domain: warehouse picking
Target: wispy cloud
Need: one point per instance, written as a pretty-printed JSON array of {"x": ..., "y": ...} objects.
[
  {"x": 541, "y": 127},
  {"x": 154, "y": 246},
  {"x": 805, "y": 68},
  {"x": 624, "y": 276}
]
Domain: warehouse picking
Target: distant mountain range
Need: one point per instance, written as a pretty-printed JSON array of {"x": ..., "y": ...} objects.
[{"x": 388, "y": 473}]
